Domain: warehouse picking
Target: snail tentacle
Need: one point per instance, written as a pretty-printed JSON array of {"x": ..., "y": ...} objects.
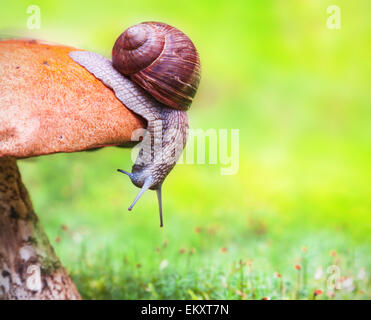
[{"x": 159, "y": 197}]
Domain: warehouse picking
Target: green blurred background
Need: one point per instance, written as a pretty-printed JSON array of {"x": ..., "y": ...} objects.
[{"x": 300, "y": 95}]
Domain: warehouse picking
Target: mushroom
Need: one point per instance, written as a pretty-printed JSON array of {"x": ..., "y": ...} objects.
[{"x": 48, "y": 104}]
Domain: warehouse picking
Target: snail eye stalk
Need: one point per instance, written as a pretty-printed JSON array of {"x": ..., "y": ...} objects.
[
  {"x": 124, "y": 172},
  {"x": 146, "y": 186},
  {"x": 159, "y": 197}
]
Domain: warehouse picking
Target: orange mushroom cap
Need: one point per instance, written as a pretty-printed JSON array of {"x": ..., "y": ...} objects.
[{"x": 50, "y": 104}]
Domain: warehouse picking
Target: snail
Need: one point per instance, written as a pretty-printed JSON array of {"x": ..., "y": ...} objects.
[{"x": 155, "y": 72}]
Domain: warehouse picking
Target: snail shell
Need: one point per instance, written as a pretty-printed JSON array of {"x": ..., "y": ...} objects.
[{"x": 162, "y": 60}]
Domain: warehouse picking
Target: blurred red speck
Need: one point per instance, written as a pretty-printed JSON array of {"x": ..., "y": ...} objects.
[
  {"x": 198, "y": 229},
  {"x": 266, "y": 298},
  {"x": 212, "y": 230},
  {"x": 304, "y": 249},
  {"x": 64, "y": 227},
  {"x": 317, "y": 292},
  {"x": 138, "y": 265},
  {"x": 223, "y": 250},
  {"x": 278, "y": 275},
  {"x": 57, "y": 239},
  {"x": 297, "y": 267},
  {"x": 240, "y": 293},
  {"x": 330, "y": 293},
  {"x": 333, "y": 253},
  {"x": 182, "y": 251}
]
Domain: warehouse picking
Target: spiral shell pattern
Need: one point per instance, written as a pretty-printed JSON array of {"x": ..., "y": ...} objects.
[{"x": 162, "y": 60}]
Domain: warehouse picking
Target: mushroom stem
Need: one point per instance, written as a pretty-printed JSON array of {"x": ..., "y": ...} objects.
[{"x": 29, "y": 267}]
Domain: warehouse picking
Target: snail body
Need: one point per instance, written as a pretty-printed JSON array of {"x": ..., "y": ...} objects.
[{"x": 155, "y": 72}]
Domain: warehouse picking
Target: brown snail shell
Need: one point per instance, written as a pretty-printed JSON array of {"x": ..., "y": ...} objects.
[{"x": 162, "y": 60}]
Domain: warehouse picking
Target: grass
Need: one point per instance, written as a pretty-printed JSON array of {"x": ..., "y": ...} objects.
[
  {"x": 299, "y": 94},
  {"x": 211, "y": 246}
]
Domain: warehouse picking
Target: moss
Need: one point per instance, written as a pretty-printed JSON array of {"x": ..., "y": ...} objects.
[
  {"x": 32, "y": 241},
  {"x": 49, "y": 265}
]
